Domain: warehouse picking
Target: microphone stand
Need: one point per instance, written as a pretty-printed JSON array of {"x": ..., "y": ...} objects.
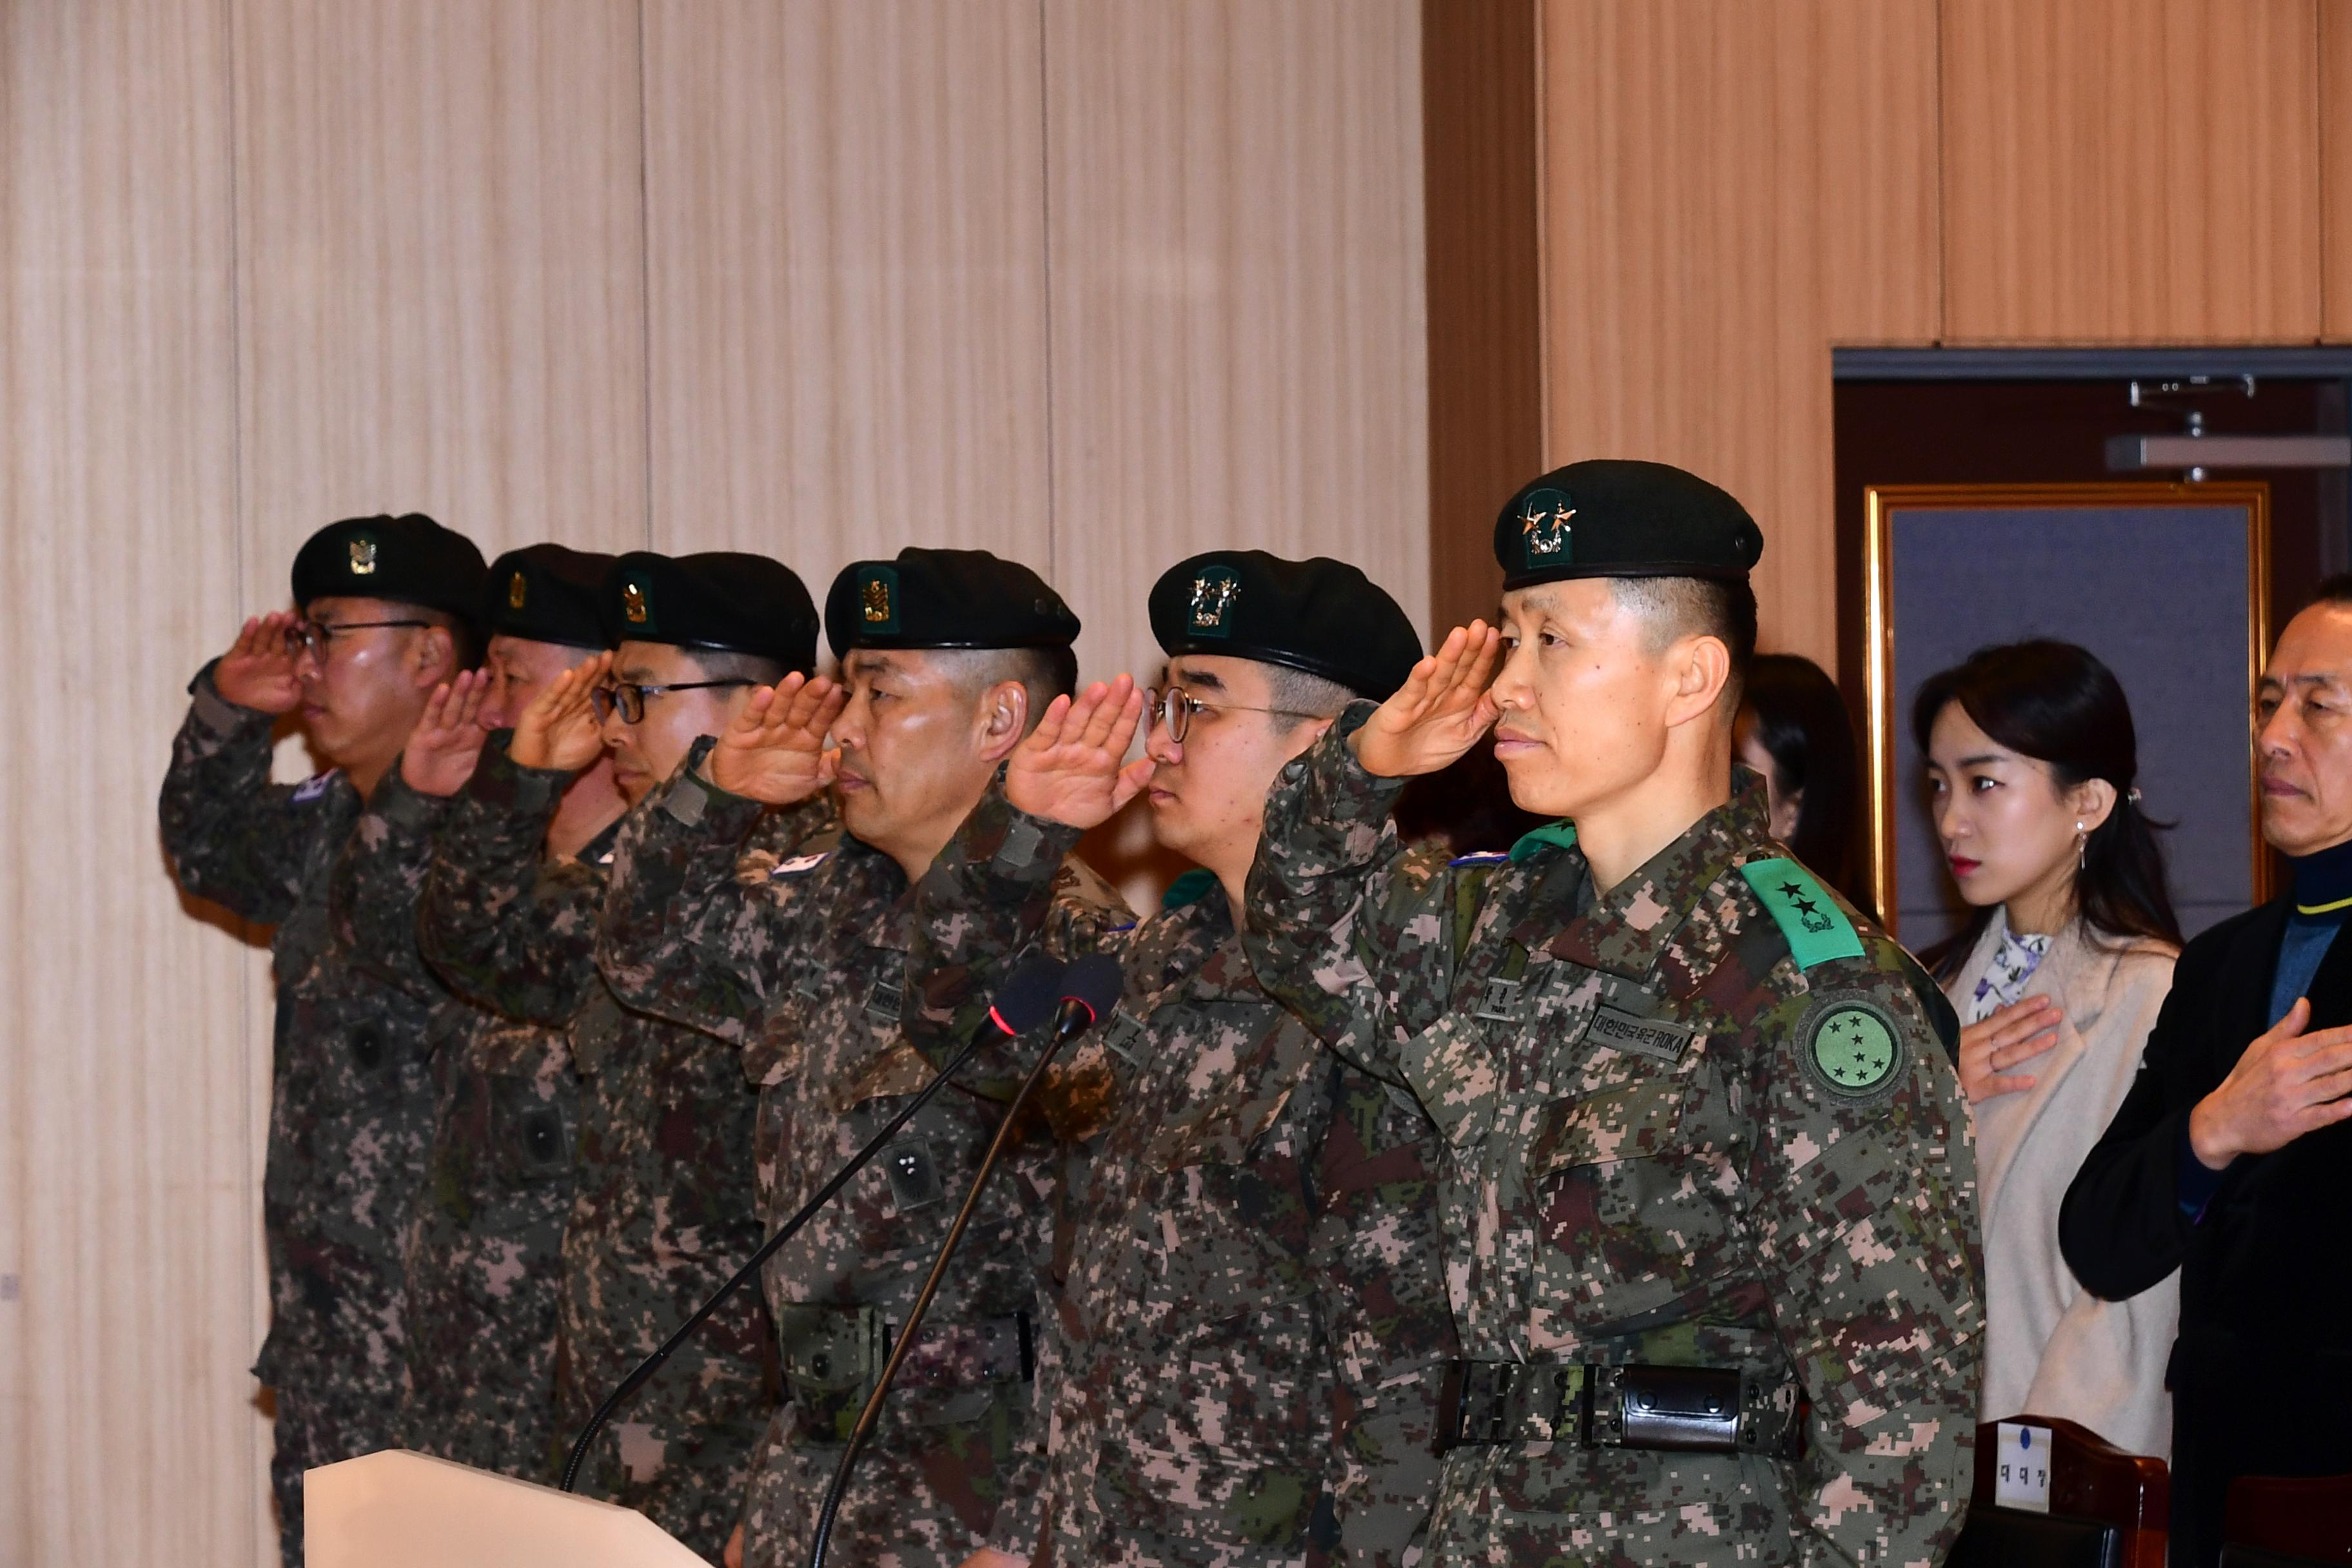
[
  {"x": 653, "y": 1364},
  {"x": 870, "y": 1416}
]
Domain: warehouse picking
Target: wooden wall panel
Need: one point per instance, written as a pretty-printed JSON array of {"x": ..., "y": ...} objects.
[
  {"x": 1238, "y": 330},
  {"x": 846, "y": 210},
  {"x": 441, "y": 263},
  {"x": 130, "y": 1203},
  {"x": 2131, "y": 170},
  {"x": 1729, "y": 189},
  {"x": 2335, "y": 169}
]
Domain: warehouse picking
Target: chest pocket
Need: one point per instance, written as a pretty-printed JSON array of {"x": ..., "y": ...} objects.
[
  {"x": 1627, "y": 1200},
  {"x": 1222, "y": 1127}
]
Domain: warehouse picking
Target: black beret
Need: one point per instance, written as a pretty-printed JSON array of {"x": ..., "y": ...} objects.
[
  {"x": 723, "y": 600},
  {"x": 944, "y": 598},
  {"x": 409, "y": 560},
  {"x": 545, "y": 593},
  {"x": 1613, "y": 518},
  {"x": 1321, "y": 615}
]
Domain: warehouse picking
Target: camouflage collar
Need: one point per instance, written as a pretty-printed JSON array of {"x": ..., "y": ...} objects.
[{"x": 1628, "y": 931}]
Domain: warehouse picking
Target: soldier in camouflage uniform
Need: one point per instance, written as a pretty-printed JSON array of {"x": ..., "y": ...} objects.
[
  {"x": 1706, "y": 1152},
  {"x": 1254, "y": 1327},
  {"x": 387, "y": 608},
  {"x": 484, "y": 1248},
  {"x": 661, "y": 1168},
  {"x": 801, "y": 958}
]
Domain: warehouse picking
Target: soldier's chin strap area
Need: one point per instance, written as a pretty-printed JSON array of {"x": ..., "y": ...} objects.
[
  {"x": 1089, "y": 989},
  {"x": 1024, "y": 1002}
]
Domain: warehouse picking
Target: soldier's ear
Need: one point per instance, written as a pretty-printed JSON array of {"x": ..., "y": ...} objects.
[
  {"x": 1700, "y": 669},
  {"x": 1004, "y": 719},
  {"x": 433, "y": 656}
]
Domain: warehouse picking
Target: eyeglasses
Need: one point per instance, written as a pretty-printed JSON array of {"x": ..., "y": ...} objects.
[
  {"x": 628, "y": 699},
  {"x": 1174, "y": 707},
  {"x": 314, "y": 639}
]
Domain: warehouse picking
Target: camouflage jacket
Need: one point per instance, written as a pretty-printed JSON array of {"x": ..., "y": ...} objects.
[
  {"x": 1252, "y": 1327},
  {"x": 351, "y": 1102},
  {"x": 661, "y": 1209},
  {"x": 1671, "y": 1142},
  {"x": 801, "y": 958},
  {"x": 484, "y": 1246}
]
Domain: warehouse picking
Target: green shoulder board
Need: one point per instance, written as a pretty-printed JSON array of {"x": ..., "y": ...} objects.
[
  {"x": 1816, "y": 928},
  {"x": 1189, "y": 888},
  {"x": 1561, "y": 835}
]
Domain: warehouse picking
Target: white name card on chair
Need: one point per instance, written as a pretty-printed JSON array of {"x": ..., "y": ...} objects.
[
  {"x": 2023, "y": 1479},
  {"x": 398, "y": 1509}
]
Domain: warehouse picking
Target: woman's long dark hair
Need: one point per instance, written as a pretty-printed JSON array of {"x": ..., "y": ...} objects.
[
  {"x": 2058, "y": 704},
  {"x": 1801, "y": 721}
]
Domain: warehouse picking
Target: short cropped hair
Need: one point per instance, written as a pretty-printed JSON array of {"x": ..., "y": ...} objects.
[
  {"x": 1296, "y": 691},
  {"x": 1697, "y": 607},
  {"x": 466, "y": 645},
  {"x": 1045, "y": 673},
  {"x": 727, "y": 664}
]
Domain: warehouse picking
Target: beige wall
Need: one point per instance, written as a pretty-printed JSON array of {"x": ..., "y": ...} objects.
[
  {"x": 1098, "y": 284},
  {"x": 1733, "y": 188}
]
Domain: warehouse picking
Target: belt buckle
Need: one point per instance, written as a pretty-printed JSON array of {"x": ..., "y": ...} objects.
[{"x": 1513, "y": 1401}]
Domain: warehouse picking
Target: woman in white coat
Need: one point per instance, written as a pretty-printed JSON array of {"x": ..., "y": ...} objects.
[{"x": 2057, "y": 978}]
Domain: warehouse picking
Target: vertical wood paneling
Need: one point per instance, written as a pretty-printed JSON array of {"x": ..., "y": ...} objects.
[
  {"x": 128, "y": 1203},
  {"x": 441, "y": 269},
  {"x": 1730, "y": 189},
  {"x": 845, "y": 205},
  {"x": 2131, "y": 170},
  {"x": 1238, "y": 331},
  {"x": 2335, "y": 169}
]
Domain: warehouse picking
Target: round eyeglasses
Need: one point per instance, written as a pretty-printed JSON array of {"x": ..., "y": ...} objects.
[{"x": 1174, "y": 707}]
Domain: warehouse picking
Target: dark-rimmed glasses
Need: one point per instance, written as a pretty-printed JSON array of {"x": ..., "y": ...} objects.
[
  {"x": 1174, "y": 707},
  {"x": 627, "y": 697},
  {"x": 315, "y": 637}
]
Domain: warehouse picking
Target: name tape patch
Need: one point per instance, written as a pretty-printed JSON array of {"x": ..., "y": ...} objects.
[{"x": 1654, "y": 1038}]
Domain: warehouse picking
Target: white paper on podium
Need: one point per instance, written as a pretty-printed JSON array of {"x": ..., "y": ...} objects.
[{"x": 398, "y": 1509}]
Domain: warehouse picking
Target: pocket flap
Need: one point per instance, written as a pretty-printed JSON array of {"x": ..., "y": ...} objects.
[{"x": 1631, "y": 1122}]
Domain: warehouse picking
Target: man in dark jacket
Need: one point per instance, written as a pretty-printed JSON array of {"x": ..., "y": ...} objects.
[{"x": 2228, "y": 1158}]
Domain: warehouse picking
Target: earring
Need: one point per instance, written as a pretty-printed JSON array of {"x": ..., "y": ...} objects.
[{"x": 2082, "y": 846}]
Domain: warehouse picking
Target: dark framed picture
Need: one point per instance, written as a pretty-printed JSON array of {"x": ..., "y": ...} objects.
[{"x": 2168, "y": 584}]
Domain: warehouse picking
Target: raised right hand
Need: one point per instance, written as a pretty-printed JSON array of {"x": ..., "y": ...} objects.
[
  {"x": 1441, "y": 710},
  {"x": 1996, "y": 1042},
  {"x": 559, "y": 729},
  {"x": 773, "y": 750},
  {"x": 448, "y": 740},
  {"x": 1073, "y": 768},
  {"x": 258, "y": 671},
  {"x": 2287, "y": 1083}
]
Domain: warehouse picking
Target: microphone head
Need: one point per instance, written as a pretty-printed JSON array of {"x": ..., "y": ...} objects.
[
  {"x": 1027, "y": 998},
  {"x": 1094, "y": 982}
]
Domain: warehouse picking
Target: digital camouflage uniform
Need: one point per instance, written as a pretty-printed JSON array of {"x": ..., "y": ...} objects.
[
  {"x": 801, "y": 958},
  {"x": 483, "y": 1250},
  {"x": 1252, "y": 1327},
  {"x": 1679, "y": 1136},
  {"x": 661, "y": 1212},
  {"x": 351, "y": 1103}
]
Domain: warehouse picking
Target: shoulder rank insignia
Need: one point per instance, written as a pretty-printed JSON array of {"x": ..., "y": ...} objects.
[
  {"x": 314, "y": 787},
  {"x": 1558, "y": 835},
  {"x": 1850, "y": 1046},
  {"x": 1189, "y": 888},
  {"x": 1816, "y": 928}
]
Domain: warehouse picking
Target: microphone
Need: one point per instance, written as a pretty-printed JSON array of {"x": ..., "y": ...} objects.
[
  {"x": 1089, "y": 988},
  {"x": 1024, "y": 1001}
]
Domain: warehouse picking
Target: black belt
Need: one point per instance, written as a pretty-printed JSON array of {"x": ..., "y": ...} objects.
[{"x": 1686, "y": 1409}]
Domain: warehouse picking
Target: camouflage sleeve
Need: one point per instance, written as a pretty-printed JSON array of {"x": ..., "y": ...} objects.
[
  {"x": 1005, "y": 883},
  {"x": 377, "y": 881},
  {"x": 1348, "y": 926},
  {"x": 1864, "y": 1211},
  {"x": 684, "y": 937},
  {"x": 233, "y": 836},
  {"x": 499, "y": 924}
]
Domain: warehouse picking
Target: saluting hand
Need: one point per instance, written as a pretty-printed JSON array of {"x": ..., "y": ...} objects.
[
  {"x": 1441, "y": 710},
  {"x": 559, "y": 729},
  {"x": 1997, "y": 1041},
  {"x": 448, "y": 740},
  {"x": 774, "y": 752},
  {"x": 1071, "y": 768},
  {"x": 258, "y": 671},
  {"x": 2287, "y": 1083}
]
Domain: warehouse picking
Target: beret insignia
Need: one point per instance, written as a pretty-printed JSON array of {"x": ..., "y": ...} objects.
[
  {"x": 363, "y": 555},
  {"x": 1214, "y": 592},
  {"x": 878, "y": 598},
  {"x": 1546, "y": 529},
  {"x": 516, "y": 592},
  {"x": 633, "y": 604},
  {"x": 1853, "y": 1048}
]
